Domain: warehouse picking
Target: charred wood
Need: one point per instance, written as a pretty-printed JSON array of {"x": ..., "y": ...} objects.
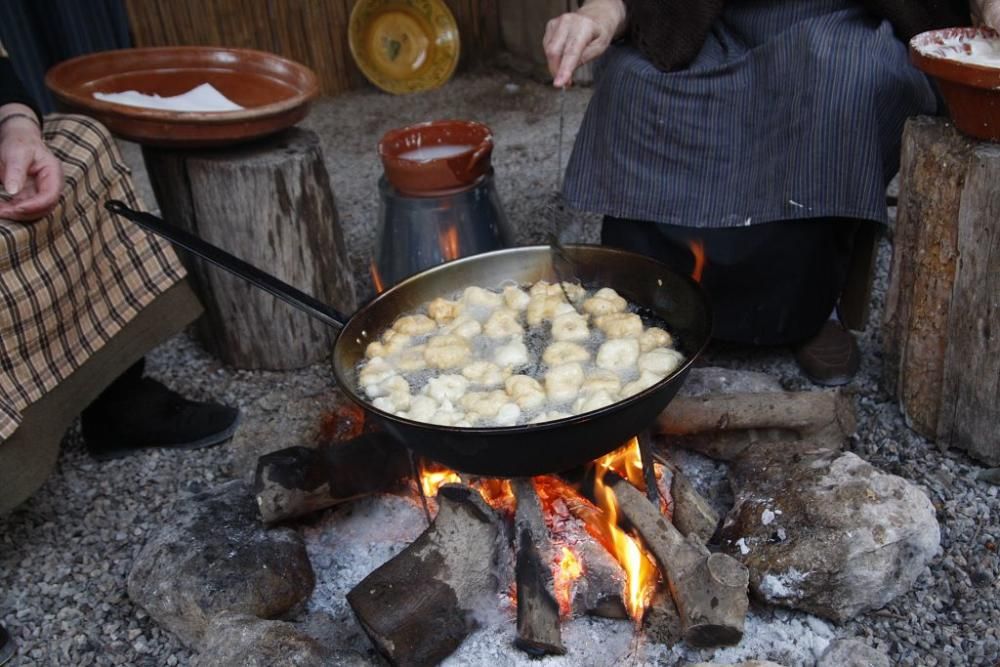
[
  {"x": 537, "y": 609},
  {"x": 298, "y": 480},
  {"x": 692, "y": 514},
  {"x": 662, "y": 623},
  {"x": 419, "y": 607},
  {"x": 710, "y": 590}
]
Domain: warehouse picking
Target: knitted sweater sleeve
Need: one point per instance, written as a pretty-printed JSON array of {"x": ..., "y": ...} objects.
[{"x": 670, "y": 33}]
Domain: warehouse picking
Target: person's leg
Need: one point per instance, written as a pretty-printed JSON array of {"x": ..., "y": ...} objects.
[
  {"x": 137, "y": 412},
  {"x": 768, "y": 284},
  {"x": 7, "y": 646}
]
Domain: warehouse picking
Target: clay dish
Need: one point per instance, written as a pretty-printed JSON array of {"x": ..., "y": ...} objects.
[
  {"x": 965, "y": 64},
  {"x": 274, "y": 91},
  {"x": 434, "y": 157}
]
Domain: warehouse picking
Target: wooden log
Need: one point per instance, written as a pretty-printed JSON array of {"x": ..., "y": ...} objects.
[
  {"x": 941, "y": 351},
  {"x": 692, "y": 514},
  {"x": 537, "y": 610},
  {"x": 295, "y": 481},
  {"x": 710, "y": 590},
  {"x": 268, "y": 202},
  {"x": 661, "y": 623},
  {"x": 419, "y": 606},
  {"x": 821, "y": 417},
  {"x": 599, "y": 590}
]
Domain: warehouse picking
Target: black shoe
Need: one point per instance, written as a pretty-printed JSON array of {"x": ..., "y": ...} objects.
[
  {"x": 150, "y": 415},
  {"x": 831, "y": 358},
  {"x": 7, "y": 646}
]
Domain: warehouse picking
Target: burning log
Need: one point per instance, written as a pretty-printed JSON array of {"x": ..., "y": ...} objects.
[
  {"x": 418, "y": 607},
  {"x": 298, "y": 480},
  {"x": 823, "y": 418},
  {"x": 537, "y": 609},
  {"x": 692, "y": 515},
  {"x": 662, "y": 623},
  {"x": 710, "y": 590}
]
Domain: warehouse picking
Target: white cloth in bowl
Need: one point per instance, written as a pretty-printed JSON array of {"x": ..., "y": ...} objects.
[{"x": 204, "y": 98}]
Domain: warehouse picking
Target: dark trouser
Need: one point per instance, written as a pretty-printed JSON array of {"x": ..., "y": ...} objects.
[{"x": 768, "y": 284}]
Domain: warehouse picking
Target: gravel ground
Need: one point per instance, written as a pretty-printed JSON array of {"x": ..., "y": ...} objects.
[{"x": 64, "y": 554}]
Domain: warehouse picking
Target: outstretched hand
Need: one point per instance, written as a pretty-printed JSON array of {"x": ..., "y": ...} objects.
[
  {"x": 31, "y": 175},
  {"x": 576, "y": 38}
]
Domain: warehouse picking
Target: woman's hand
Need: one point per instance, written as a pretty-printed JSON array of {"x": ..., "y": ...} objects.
[
  {"x": 30, "y": 173},
  {"x": 576, "y": 38},
  {"x": 987, "y": 12}
]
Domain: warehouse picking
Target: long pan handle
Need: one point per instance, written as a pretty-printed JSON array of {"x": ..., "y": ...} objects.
[{"x": 234, "y": 265}]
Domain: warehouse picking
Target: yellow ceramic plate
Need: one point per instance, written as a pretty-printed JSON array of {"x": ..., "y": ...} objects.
[{"x": 404, "y": 46}]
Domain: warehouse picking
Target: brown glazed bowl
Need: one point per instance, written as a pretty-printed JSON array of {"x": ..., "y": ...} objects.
[
  {"x": 276, "y": 92},
  {"x": 437, "y": 157},
  {"x": 971, "y": 90}
]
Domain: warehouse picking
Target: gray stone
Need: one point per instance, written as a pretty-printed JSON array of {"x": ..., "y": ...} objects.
[
  {"x": 216, "y": 557},
  {"x": 748, "y": 663},
  {"x": 248, "y": 641},
  {"x": 716, "y": 380},
  {"x": 852, "y": 653},
  {"x": 825, "y": 532}
]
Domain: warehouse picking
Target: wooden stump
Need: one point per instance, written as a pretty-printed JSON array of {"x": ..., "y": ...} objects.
[
  {"x": 941, "y": 328},
  {"x": 268, "y": 202}
]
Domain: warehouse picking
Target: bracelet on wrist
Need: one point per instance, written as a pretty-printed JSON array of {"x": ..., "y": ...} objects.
[{"x": 21, "y": 114}]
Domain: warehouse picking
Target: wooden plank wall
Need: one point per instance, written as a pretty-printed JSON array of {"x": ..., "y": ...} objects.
[{"x": 313, "y": 32}]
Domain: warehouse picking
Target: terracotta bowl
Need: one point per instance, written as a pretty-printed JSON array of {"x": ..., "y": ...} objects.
[
  {"x": 970, "y": 89},
  {"x": 435, "y": 158},
  {"x": 275, "y": 92}
]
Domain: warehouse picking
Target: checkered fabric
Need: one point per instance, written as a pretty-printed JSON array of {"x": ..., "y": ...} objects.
[{"x": 71, "y": 281}]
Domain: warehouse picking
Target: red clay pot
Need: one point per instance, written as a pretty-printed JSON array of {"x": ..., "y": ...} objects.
[
  {"x": 437, "y": 157},
  {"x": 971, "y": 91}
]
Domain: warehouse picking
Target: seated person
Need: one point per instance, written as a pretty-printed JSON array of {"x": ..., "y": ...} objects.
[
  {"x": 72, "y": 276},
  {"x": 763, "y": 132}
]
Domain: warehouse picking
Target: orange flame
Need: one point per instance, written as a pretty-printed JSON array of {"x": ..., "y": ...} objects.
[
  {"x": 448, "y": 240},
  {"x": 698, "y": 250},
  {"x": 497, "y": 493},
  {"x": 432, "y": 480},
  {"x": 627, "y": 462},
  {"x": 570, "y": 569},
  {"x": 640, "y": 571},
  {"x": 376, "y": 278}
]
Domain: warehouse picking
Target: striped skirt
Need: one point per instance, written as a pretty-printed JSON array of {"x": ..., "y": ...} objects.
[
  {"x": 791, "y": 110},
  {"x": 71, "y": 281}
]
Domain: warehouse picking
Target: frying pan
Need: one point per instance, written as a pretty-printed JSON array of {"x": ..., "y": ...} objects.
[{"x": 511, "y": 451}]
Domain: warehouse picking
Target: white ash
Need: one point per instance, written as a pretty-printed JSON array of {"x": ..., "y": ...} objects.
[
  {"x": 742, "y": 544},
  {"x": 785, "y": 586}
]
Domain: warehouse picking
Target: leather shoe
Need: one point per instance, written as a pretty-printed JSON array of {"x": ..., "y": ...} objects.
[
  {"x": 151, "y": 415},
  {"x": 831, "y": 358}
]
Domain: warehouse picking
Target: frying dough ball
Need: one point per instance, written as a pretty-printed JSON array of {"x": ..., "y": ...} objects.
[
  {"x": 604, "y": 302},
  {"x": 484, "y": 373},
  {"x": 503, "y": 323},
  {"x": 376, "y": 349},
  {"x": 594, "y": 401},
  {"x": 447, "y": 351},
  {"x": 526, "y": 391},
  {"x": 564, "y": 352},
  {"x": 444, "y": 311},
  {"x": 645, "y": 381},
  {"x": 515, "y": 297},
  {"x": 570, "y": 326},
  {"x": 386, "y": 404},
  {"x": 411, "y": 359},
  {"x": 572, "y": 290},
  {"x": 654, "y": 337},
  {"x": 511, "y": 355},
  {"x": 601, "y": 380},
  {"x": 463, "y": 326},
  {"x": 662, "y": 361},
  {"x": 375, "y": 371},
  {"x": 620, "y": 325},
  {"x": 485, "y": 404},
  {"x": 414, "y": 325},
  {"x": 392, "y": 342},
  {"x": 562, "y": 383},
  {"x": 446, "y": 387},
  {"x": 447, "y": 417},
  {"x": 618, "y": 354},
  {"x": 508, "y": 414},
  {"x": 542, "y": 308},
  {"x": 477, "y": 296},
  {"x": 422, "y": 408}
]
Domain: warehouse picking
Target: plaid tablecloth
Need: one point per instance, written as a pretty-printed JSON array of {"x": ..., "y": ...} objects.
[{"x": 70, "y": 282}]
